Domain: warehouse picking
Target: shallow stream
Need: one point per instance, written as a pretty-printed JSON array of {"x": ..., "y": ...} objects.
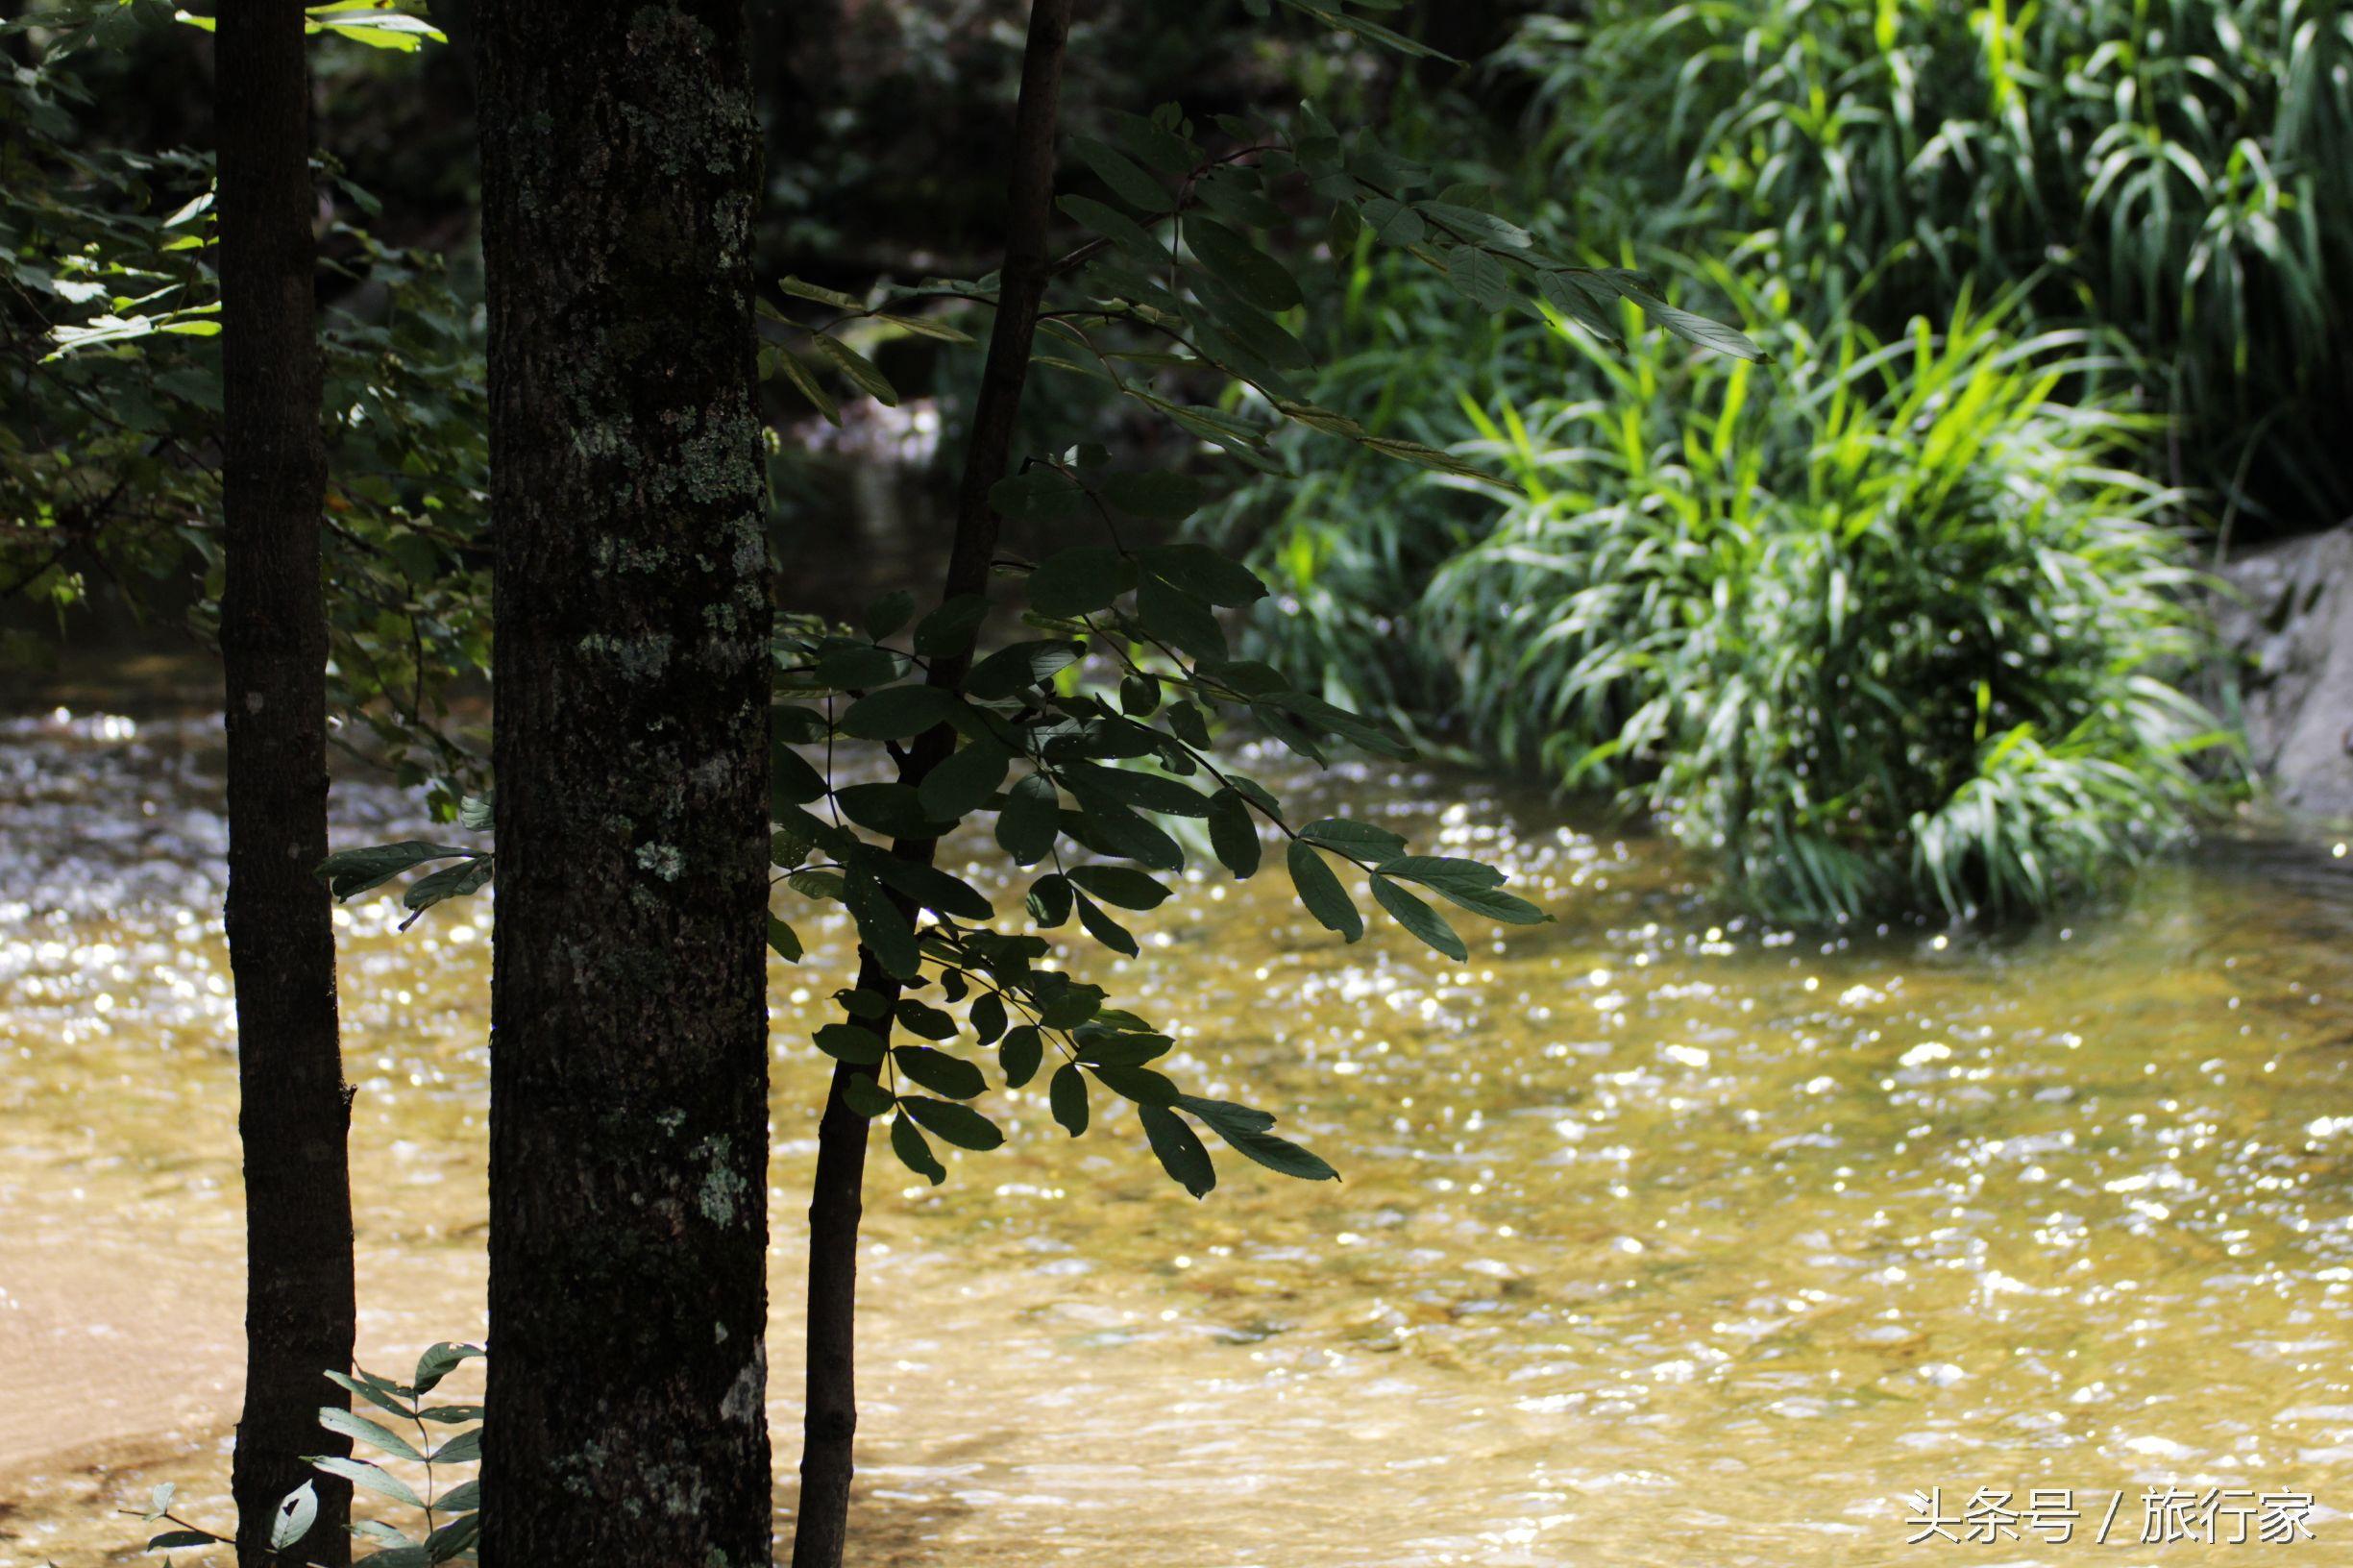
[{"x": 1666, "y": 1238}]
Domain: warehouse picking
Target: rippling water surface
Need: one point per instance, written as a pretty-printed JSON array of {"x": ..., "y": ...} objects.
[{"x": 1665, "y": 1239}]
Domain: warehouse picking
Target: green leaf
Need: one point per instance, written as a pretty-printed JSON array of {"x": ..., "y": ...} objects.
[
  {"x": 1419, "y": 919},
  {"x": 1104, "y": 929},
  {"x": 1397, "y": 223},
  {"x": 934, "y": 889},
  {"x": 1011, "y": 670},
  {"x": 1560, "y": 290},
  {"x": 1099, "y": 1044},
  {"x": 790, "y": 779},
  {"x": 1163, "y": 497},
  {"x": 1121, "y": 886},
  {"x": 939, "y": 1071},
  {"x": 359, "y": 1429},
  {"x": 439, "y": 1361},
  {"x": 1027, "y": 825},
  {"x": 889, "y": 808},
  {"x": 867, "y": 1096},
  {"x": 1022, "y": 1050},
  {"x": 986, "y": 1018},
  {"x": 1351, "y": 728},
  {"x": 1142, "y": 1085},
  {"x": 924, "y": 1020},
  {"x": 1110, "y": 828},
  {"x": 1129, "y": 183},
  {"x": 775, "y": 358},
  {"x": 370, "y": 1476},
  {"x": 449, "y": 882},
  {"x": 466, "y": 1448},
  {"x": 1470, "y": 224},
  {"x": 1466, "y": 883},
  {"x": 1246, "y": 1131},
  {"x": 1134, "y": 786},
  {"x": 1205, "y": 574},
  {"x": 804, "y": 290},
  {"x": 1155, "y": 143},
  {"x": 173, "y": 1539},
  {"x": 1189, "y": 725},
  {"x": 783, "y": 941},
  {"x": 965, "y": 781},
  {"x": 913, "y": 1152},
  {"x": 1225, "y": 1113},
  {"x": 349, "y": 872},
  {"x": 1065, "y": 1095},
  {"x": 847, "y": 667},
  {"x": 296, "y": 1512},
  {"x": 1075, "y": 581},
  {"x": 817, "y": 882},
  {"x": 897, "y": 713},
  {"x": 848, "y": 1042},
  {"x": 451, "y": 1414},
  {"x": 460, "y": 1498},
  {"x": 377, "y": 1391},
  {"x": 959, "y": 1124},
  {"x": 1067, "y": 1005},
  {"x": 868, "y": 1005},
  {"x": 887, "y": 614},
  {"x": 1038, "y": 494},
  {"x": 1177, "y": 617},
  {"x": 456, "y": 1538},
  {"x": 1249, "y": 271},
  {"x": 1691, "y": 329},
  {"x": 1117, "y": 227},
  {"x": 1479, "y": 276},
  {"x": 857, "y": 367},
  {"x": 1231, "y": 834},
  {"x": 1353, "y": 838},
  {"x": 1321, "y": 891},
  {"x": 882, "y": 929},
  {"x": 1139, "y": 696},
  {"x": 1180, "y": 1152},
  {"x": 1050, "y": 900},
  {"x": 950, "y": 628},
  {"x": 790, "y": 725}
]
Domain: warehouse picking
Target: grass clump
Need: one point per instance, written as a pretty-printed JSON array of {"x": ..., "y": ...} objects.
[
  {"x": 2180, "y": 171},
  {"x": 1896, "y": 628}
]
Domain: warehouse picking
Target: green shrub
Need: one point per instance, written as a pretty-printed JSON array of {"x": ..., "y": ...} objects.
[
  {"x": 1348, "y": 542},
  {"x": 2181, "y": 170},
  {"x": 1883, "y": 625}
]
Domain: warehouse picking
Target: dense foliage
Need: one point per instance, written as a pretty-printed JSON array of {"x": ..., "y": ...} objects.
[
  {"x": 2178, "y": 170},
  {"x": 110, "y": 408},
  {"x": 1890, "y": 629},
  {"x": 2151, "y": 192}
]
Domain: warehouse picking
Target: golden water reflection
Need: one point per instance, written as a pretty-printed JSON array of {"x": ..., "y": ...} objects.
[{"x": 1665, "y": 1239}]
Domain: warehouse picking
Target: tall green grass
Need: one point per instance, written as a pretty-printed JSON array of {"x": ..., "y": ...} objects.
[
  {"x": 2179, "y": 170},
  {"x": 1883, "y": 627}
]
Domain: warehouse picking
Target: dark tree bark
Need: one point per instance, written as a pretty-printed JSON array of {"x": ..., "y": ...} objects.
[
  {"x": 293, "y": 1109},
  {"x": 628, "y": 1111},
  {"x": 830, "y": 1419}
]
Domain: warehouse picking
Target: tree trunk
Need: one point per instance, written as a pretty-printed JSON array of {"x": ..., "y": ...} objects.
[
  {"x": 628, "y": 1120},
  {"x": 830, "y": 1419},
  {"x": 293, "y": 1109}
]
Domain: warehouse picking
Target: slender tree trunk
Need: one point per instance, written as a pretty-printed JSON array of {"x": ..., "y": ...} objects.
[
  {"x": 830, "y": 1421},
  {"x": 293, "y": 1109},
  {"x": 628, "y": 1110}
]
